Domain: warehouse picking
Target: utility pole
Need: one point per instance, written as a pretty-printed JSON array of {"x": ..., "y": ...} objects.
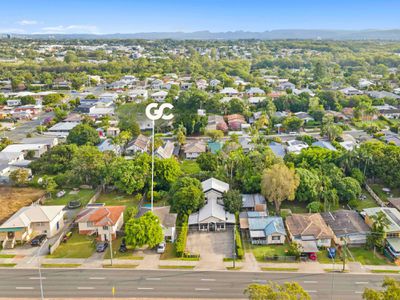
[
  {"x": 152, "y": 166},
  {"x": 234, "y": 246},
  {"x": 40, "y": 272},
  {"x": 111, "y": 249},
  {"x": 344, "y": 253}
]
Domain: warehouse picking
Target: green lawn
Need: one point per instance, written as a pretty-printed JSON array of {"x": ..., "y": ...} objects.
[
  {"x": 116, "y": 254},
  {"x": 7, "y": 255},
  {"x": 367, "y": 257},
  {"x": 83, "y": 195},
  {"x": 295, "y": 206},
  {"x": 176, "y": 267},
  {"x": 367, "y": 203},
  {"x": 60, "y": 265},
  {"x": 78, "y": 246},
  {"x": 190, "y": 167},
  {"x": 377, "y": 188},
  {"x": 120, "y": 266},
  {"x": 9, "y": 265},
  {"x": 115, "y": 198},
  {"x": 170, "y": 254},
  {"x": 259, "y": 251}
]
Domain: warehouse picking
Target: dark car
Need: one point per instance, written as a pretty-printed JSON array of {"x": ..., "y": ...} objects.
[
  {"x": 38, "y": 240},
  {"x": 122, "y": 247},
  {"x": 101, "y": 246},
  {"x": 74, "y": 204}
]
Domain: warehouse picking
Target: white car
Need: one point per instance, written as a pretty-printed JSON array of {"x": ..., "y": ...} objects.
[
  {"x": 60, "y": 194},
  {"x": 161, "y": 248}
]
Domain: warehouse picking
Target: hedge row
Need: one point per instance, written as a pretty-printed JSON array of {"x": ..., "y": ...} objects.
[
  {"x": 180, "y": 244},
  {"x": 239, "y": 245}
]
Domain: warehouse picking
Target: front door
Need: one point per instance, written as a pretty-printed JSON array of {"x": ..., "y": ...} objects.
[
  {"x": 10, "y": 235},
  {"x": 212, "y": 226}
]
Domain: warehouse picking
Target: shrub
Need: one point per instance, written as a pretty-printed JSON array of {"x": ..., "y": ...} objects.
[
  {"x": 239, "y": 245},
  {"x": 180, "y": 244}
]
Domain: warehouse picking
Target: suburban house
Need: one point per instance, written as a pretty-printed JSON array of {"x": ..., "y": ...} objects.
[
  {"x": 228, "y": 91},
  {"x": 309, "y": 231},
  {"x": 30, "y": 221},
  {"x": 108, "y": 145},
  {"x": 61, "y": 129},
  {"x": 159, "y": 96},
  {"x": 216, "y": 122},
  {"x": 104, "y": 221},
  {"x": 36, "y": 149},
  {"x": 324, "y": 144},
  {"x": 165, "y": 151},
  {"x": 266, "y": 230},
  {"x": 347, "y": 225},
  {"x": 193, "y": 150},
  {"x": 140, "y": 144},
  {"x": 212, "y": 216},
  {"x": 254, "y": 202},
  {"x": 167, "y": 220},
  {"x": 392, "y": 214}
]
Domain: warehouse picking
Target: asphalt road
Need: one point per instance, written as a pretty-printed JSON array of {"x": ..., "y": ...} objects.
[{"x": 80, "y": 283}]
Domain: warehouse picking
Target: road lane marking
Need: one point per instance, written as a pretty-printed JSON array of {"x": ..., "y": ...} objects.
[
  {"x": 85, "y": 288},
  {"x": 358, "y": 292},
  {"x": 152, "y": 278},
  {"x": 37, "y": 278},
  {"x": 259, "y": 280},
  {"x": 207, "y": 279},
  {"x": 97, "y": 278},
  {"x": 24, "y": 288},
  {"x": 201, "y": 289},
  {"x": 311, "y": 291},
  {"x": 362, "y": 282},
  {"x": 145, "y": 288},
  {"x": 310, "y": 281}
]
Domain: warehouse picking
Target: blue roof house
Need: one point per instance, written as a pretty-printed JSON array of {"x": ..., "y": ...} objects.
[{"x": 266, "y": 230}]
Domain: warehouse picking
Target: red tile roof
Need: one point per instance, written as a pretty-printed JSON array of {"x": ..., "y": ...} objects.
[{"x": 101, "y": 216}]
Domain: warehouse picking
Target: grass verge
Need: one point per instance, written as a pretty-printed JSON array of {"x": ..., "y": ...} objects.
[
  {"x": 60, "y": 265},
  {"x": 176, "y": 267},
  {"x": 10, "y": 265},
  {"x": 234, "y": 268},
  {"x": 386, "y": 271},
  {"x": 120, "y": 266},
  {"x": 279, "y": 269},
  {"x": 7, "y": 255}
]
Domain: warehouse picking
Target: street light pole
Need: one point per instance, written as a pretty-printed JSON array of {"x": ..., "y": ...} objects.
[
  {"x": 40, "y": 272},
  {"x": 152, "y": 166},
  {"x": 234, "y": 246},
  {"x": 111, "y": 249}
]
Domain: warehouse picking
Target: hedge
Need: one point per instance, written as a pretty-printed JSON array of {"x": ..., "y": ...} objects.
[
  {"x": 180, "y": 244},
  {"x": 239, "y": 245}
]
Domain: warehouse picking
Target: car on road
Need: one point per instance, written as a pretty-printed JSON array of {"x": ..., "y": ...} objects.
[
  {"x": 74, "y": 204},
  {"x": 38, "y": 240},
  {"x": 161, "y": 248},
  {"x": 101, "y": 246}
]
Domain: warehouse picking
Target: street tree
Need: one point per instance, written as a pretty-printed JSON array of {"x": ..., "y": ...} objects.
[
  {"x": 145, "y": 230},
  {"x": 274, "y": 291}
]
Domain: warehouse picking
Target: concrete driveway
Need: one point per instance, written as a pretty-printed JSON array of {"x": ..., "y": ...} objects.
[{"x": 213, "y": 247}]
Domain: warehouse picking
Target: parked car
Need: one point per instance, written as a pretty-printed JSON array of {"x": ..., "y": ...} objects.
[
  {"x": 101, "y": 246},
  {"x": 60, "y": 194},
  {"x": 74, "y": 204},
  {"x": 38, "y": 240},
  {"x": 331, "y": 252},
  {"x": 122, "y": 247},
  {"x": 161, "y": 247}
]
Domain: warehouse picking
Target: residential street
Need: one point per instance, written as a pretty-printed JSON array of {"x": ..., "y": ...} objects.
[{"x": 172, "y": 284}]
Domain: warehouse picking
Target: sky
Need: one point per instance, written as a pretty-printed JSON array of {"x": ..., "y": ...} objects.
[{"x": 124, "y": 16}]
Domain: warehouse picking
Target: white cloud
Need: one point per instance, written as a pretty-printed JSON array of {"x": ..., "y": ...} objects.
[
  {"x": 70, "y": 29},
  {"x": 27, "y": 22},
  {"x": 12, "y": 30}
]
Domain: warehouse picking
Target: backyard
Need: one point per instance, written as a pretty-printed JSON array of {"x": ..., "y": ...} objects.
[
  {"x": 82, "y": 195},
  {"x": 20, "y": 196},
  {"x": 365, "y": 203},
  {"x": 190, "y": 167},
  {"x": 77, "y": 246},
  {"x": 377, "y": 188},
  {"x": 116, "y": 198}
]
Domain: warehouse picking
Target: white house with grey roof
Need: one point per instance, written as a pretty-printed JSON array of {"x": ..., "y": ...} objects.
[{"x": 212, "y": 216}]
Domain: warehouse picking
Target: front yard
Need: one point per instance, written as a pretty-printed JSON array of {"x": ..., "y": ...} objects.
[
  {"x": 260, "y": 251},
  {"x": 70, "y": 195},
  {"x": 77, "y": 246},
  {"x": 367, "y": 257},
  {"x": 116, "y": 254}
]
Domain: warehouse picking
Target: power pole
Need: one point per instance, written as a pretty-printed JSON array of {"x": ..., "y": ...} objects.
[
  {"x": 111, "y": 249},
  {"x": 344, "y": 253},
  {"x": 234, "y": 246},
  {"x": 152, "y": 166}
]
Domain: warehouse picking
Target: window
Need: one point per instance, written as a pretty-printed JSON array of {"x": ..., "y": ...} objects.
[
  {"x": 89, "y": 224},
  {"x": 276, "y": 238},
  {"x": 105, "y": 227}
]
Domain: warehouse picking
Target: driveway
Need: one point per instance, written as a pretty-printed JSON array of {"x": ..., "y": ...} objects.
[{"x": 213, "y": 247}]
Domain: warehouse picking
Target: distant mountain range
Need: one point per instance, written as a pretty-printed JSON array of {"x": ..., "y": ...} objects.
[{"x": 371, "y": 34}]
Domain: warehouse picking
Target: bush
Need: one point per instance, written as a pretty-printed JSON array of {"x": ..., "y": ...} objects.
[
  {"x": 239, "y": 245},
  {"x": 294, "y": 250},
  {"x": 180, "y": 244}
]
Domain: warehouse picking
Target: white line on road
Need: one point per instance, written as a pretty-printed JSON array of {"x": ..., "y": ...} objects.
[
  {"x": 153, "y": 278},
  {"x": 97, "y": 278},
  {"x": 207, "y": 279},
  {"x": 85, "y": 288},
  {"x": 37, "y": 278},
  {"x": 145, "y": 288},
  {"x": 24, "y": 288},
  {"x": 201, "y": 289},
  {"x": 310, "y": 281},
  {"x": 259, "y": 280},
  {"x": 358, "y": 292},
  {"x": 311, "y": 291},
  {"x": 362, "y": 282}
]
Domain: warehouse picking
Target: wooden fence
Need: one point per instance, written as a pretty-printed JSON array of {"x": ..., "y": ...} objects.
[{"x": 375, "y": 196}]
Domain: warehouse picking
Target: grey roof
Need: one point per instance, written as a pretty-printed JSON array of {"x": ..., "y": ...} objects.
[
  {"x": 345, "y": 222},
  {"x": 251, "y": 200},
  {"x": 167, "y": 219},
  {"x": 278, "y": 149},
  {"x": 211, "y": 209},
  {"x": 324, "y": 144},
  {"x": 268, "y": 225},
  {"x": 215, "y": 184}
]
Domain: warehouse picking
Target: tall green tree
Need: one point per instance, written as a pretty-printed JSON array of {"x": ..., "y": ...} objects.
[
  {"x": 145, "y": 230},
  {"x": 83, "y": 134},
  {"x": 274, "y": 291}
]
